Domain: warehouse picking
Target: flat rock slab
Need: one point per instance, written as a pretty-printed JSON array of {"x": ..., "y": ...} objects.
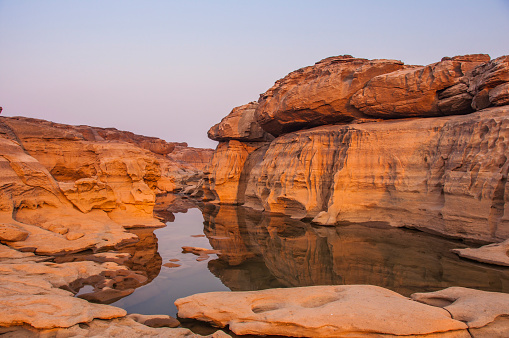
[
  {"x": 319, "y": 311},
  {"x": 493, "y": 253},
  {"x": 475, "y": 307},
  {"x": 122, "y": 327}
]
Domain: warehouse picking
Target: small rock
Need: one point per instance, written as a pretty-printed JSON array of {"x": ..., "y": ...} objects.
[
  {"x": 171, "y": 265},
  {"x": 155, "y": 320},
  {"x": 12, "y": 233},
  {"x": 106, "y": 295}
]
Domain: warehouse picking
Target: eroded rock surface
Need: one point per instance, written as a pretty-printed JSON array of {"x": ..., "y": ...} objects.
[
  {"x": 446, "y": 175},
  {"x": 434, "y": 90},
  {"x": 443, "y": 174},
  {"x": 474, "y": 307},
  {"x": 68, "y": 188},
  {"x": 318, "y": 311},
  {"x": 240, "y": 125},
  {"x": 319, "y": 94}
]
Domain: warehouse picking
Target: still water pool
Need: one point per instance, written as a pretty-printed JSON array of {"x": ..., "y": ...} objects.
[{"x": 259, "y": 251}]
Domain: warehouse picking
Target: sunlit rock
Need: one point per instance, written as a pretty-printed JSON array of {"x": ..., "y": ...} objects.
[
  {"x": 318, "y": 311},
  {"x": 240, "y": 125},
  {"x": 319, "y": 94},
  {"x": 433, "y": 90}
]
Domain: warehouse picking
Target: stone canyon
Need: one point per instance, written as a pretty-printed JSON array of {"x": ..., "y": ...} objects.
[{"x": 345, "y": 141}]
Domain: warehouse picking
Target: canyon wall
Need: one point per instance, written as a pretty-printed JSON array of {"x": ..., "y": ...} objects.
[
  {"x": 70, "y": 188},
  {"x": 358, "y": 140}
]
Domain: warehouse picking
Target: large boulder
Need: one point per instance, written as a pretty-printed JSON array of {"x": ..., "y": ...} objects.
[
  {"x": 319, "y": 94},
  {"x": 240, "y": 125},
  {"x": 319, "y": 311},
  {"x": 434, "y": 90}
]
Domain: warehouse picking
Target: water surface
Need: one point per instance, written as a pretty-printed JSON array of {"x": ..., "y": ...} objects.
[{"x": 260, "y": 251}]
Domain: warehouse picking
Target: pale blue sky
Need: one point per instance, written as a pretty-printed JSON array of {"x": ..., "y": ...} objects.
[{"x": 172, "y": 69}]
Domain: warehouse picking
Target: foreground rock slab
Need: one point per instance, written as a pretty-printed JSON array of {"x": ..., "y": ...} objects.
[
  {"x": 475, "y": 307},
  {"x": 319, "y": 311},
  {"x": 123, "y": 327}
]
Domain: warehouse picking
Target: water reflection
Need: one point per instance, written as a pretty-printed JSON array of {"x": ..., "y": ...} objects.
[
  {"x": 259, "y": 251},
  {"x": 295, "y": 253}
]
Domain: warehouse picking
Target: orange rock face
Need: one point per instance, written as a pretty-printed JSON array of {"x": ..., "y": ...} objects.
[
  {"x": 418, "y": 92},
  {"x": 319, "y": 94},
  {"x": 445, "y": 174},
  {"x": 240, "y": 125},
  {"x": 71, "y": 189}
]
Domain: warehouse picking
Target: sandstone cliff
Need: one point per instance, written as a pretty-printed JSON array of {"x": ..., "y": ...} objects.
[
  {"x": 415, "y": 146},
  {"x": 70, "y": 188}
]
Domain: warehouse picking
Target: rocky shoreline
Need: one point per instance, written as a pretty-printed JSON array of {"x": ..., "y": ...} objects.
[{"x": 345, "y": 140}]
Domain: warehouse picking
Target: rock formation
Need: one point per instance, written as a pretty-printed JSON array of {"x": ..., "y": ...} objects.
[
  {"x": 240, "y": 125},
  {"x": 350, "y": 310},
  {"x": 415, "y": 146},
  {"x": 69, "y": 188}
]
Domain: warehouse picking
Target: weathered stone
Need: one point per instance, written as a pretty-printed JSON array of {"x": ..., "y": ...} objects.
[
  {"x": 171, "y": 265},
  {"x": 31, "y": 294},
  {"x": 318, "y": 94},
  {"x": 240, "y": 125},
  {"x": 227, "y": 168},
  {"x": 497, "y": 328},
  {"x": 475, "y": 307},
  {"x": 12, "y": 233},
  {"x": 496, "y": 253},
  {"x": 445, "y": 175},
  {"x": 155, "y": 320},
  {"x": 413, "y": 92},
  {"x": 318, "y": 311},
  {"x": 122, "y": 327},
  {"x": 89, "y": 193},
  {"x": 487, "y": 83},
  {"x": 106, "y": 295},
  {"x": 499, "y": 96}
]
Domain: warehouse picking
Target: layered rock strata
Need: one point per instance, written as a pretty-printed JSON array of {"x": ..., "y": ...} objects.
[
  {"x": 443, "y": 174},
  {"x": 70, "y": 188}
]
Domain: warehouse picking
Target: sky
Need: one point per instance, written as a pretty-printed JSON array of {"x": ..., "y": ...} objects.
[{"x": 172, "y": 69}]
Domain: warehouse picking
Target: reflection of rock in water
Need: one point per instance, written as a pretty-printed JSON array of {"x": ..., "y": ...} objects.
[
  {"x": 144, "y": 255},
  {"x": 298, "y": 254},
  {"x": 168, "y": 204},
  {"x": 141, "y": 264},
  {"x": 248, "y": 276}
]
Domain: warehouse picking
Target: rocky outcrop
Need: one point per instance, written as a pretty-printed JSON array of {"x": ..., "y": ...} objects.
[
  {"x": 240, "y": 125},
  {"x": 327, "y": 311},
  {"x": 67, "y": 188},
  {"x": 37, "y": 298},
  {"x": 489, "y": 84},
  {"x": 434, "y": 90},
  {"x": 319, "y": 94},
  {"x": 229, "y": 169},
  {"x": 445, "y": 174}
]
